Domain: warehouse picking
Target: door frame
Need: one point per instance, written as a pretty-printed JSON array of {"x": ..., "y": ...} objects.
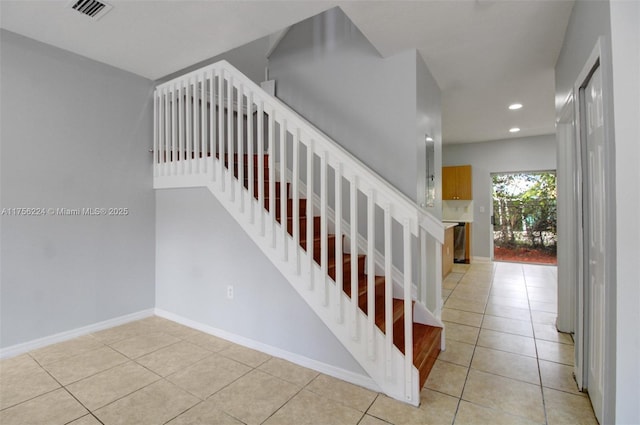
[
  {"x": 600, "y": 57},
  {"x": 568, "y": 254}
]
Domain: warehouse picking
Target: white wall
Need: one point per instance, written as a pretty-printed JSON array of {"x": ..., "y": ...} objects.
[
  {"x": 536, "y": 153},
  {"x": 75, "y": 133},
  {"x": 250, "y": 59},
  {"x": 328, "y": 72},
  {"x": 616, "y": 22},
  {"x": 201, "y": 250},
  {"x": 428, "y": 122},
  {"x": 625, "y": 38}
]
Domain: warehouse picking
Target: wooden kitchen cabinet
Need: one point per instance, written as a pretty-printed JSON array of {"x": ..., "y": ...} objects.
[
  {"x": 456, "y": 183},
  {"x": 447, "y": 252}
]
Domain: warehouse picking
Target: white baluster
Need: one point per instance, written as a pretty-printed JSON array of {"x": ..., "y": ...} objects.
[
  {"x": 338, "y": 242},
  {"x": 261, "y": 183},
  {"x": 203, "y": 122},
  {"x": 324, "y": 260},
  {"x": 196, "y": 126},
  {"x": 230, "y": 137},
  {"x": 221, "y": 152},
  {"x": 296, "y": 199},
  {"x": 434, "y": 276},
  {"x": 181, "y": 128},
  {"x": 388, "y": 291},
  {"x": 283, "y": 188},
  {"x": 408, "y": 311},
  {"x": 189, "y": 126},
  {"x": 310, "y": 204},
  {"x": 371, "y": 278},
  {"x": 355, "y": 292},
  {"x": 167, "y": 133},
  {"x": 272, "y": 177},
  {"x": 241, "y": 145},
  {"x": 422, "y": 266},
  {"x": 174, "y": 130},
  {"x": 251, "y": 158},
  {"x": 161, "y": 130},
  {"x": 156, "y": 149},
  {"x": 212, "y": 120},
  {"x": 161, "y": 133}
]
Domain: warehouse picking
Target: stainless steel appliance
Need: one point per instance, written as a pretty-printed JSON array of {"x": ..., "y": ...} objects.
[{"x": 459, "y": 243}]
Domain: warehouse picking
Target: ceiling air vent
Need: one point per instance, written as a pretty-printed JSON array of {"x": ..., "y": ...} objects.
[{"x": 92, "y": 8}]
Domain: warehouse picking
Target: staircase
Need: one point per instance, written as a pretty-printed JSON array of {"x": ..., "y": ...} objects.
[{"x": 284, "y": 182}]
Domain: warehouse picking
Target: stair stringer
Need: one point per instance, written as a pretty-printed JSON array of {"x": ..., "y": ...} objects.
[
  {"x": 385, "y": 365},
  {"x": 421, "y": 313}
]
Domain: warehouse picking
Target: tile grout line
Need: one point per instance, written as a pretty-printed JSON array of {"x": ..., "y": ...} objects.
[
  {"x": 133, "y": 360},
  {"x": 293, "y": 396},
  {"x": 535, "y": 342},
  {"x": 466, "y": 378},
  {"x": 476, "y": 345},
  {"x": 371, "y": 414},
  {"x": 64, "y": 387},
  {"x": 306, "y": 385}
]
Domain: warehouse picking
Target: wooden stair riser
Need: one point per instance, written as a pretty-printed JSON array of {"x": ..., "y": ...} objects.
[
  {"x": 255, "y": 160},
  {"x": 317, "y": 248},
  {"x": 236, "y": 172},
  {"x": 346, "y": 265},
  {"x": 426, "y": 350},
  {"x": 302, "y": 227},
  {"x": 302, "y": 209},
  {"x": 426, "y": 339},
  {"x": 266, "y": 193}
]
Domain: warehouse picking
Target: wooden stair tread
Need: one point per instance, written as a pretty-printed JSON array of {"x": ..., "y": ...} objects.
[
  {"x": 426, "y": 347},
  {"x": 426, "y": 339}
]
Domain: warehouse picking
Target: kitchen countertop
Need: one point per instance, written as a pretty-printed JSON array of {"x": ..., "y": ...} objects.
[
  {"x": 457, "y": 221},
  {"x": 449, "y": 224}
]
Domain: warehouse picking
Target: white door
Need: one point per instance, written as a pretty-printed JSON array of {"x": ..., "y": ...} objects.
[{"x": 594, "y": 240}]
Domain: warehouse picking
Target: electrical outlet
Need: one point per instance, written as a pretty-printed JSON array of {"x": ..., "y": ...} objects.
[
  {"x": 481, "y": 209},
  {"x": 230, "y": 292}
]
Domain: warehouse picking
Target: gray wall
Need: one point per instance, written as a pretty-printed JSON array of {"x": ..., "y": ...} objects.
[
  {"x": 428, "y": 121},
  {"x": 535, "y": 153},
  {"x": 617, "y": 23},
  {"x": 250, "y": 59},
  {"x": 328, "y": 72},
  {"x": 625, "y": 38},
  {"x": 201, "y": 250},
  {"x": 590, "y": 20},
  {"x": 75, "y": 133}
]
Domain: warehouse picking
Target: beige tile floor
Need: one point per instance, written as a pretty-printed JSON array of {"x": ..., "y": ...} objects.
[{"x": 505, "y": 364}]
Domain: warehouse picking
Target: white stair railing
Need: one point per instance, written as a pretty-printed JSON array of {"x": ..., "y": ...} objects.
[{"x": 214, "y": 127}]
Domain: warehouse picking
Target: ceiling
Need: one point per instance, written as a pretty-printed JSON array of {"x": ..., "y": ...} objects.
[{"x": 484, "y": 54}]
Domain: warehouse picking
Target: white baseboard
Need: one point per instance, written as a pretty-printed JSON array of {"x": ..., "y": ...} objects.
[
  {"x": 24, "y": 347},
  {"x": 480, "y": 259},
  {"x": 336, "y": 372}
]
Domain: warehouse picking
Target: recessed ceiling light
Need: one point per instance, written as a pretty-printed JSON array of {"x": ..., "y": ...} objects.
[
  {"x": 514, "y": 130},
  {"x": 515, "y": 106}
]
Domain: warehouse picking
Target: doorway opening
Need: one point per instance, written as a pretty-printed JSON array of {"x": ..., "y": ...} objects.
[{"x": 524, "y": 217}]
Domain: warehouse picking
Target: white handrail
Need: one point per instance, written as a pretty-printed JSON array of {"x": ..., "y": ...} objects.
[
  {"x": 337, "y": 154},
  {"x": 192, "y": 140}
]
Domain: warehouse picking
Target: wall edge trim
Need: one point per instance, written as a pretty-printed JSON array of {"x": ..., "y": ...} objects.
[
  {"x": 336, "y": 372},
  {"x": 23, "y": 347}
]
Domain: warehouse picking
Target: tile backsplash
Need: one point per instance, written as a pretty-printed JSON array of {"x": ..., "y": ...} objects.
[{"x": 457, "y": 211}]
